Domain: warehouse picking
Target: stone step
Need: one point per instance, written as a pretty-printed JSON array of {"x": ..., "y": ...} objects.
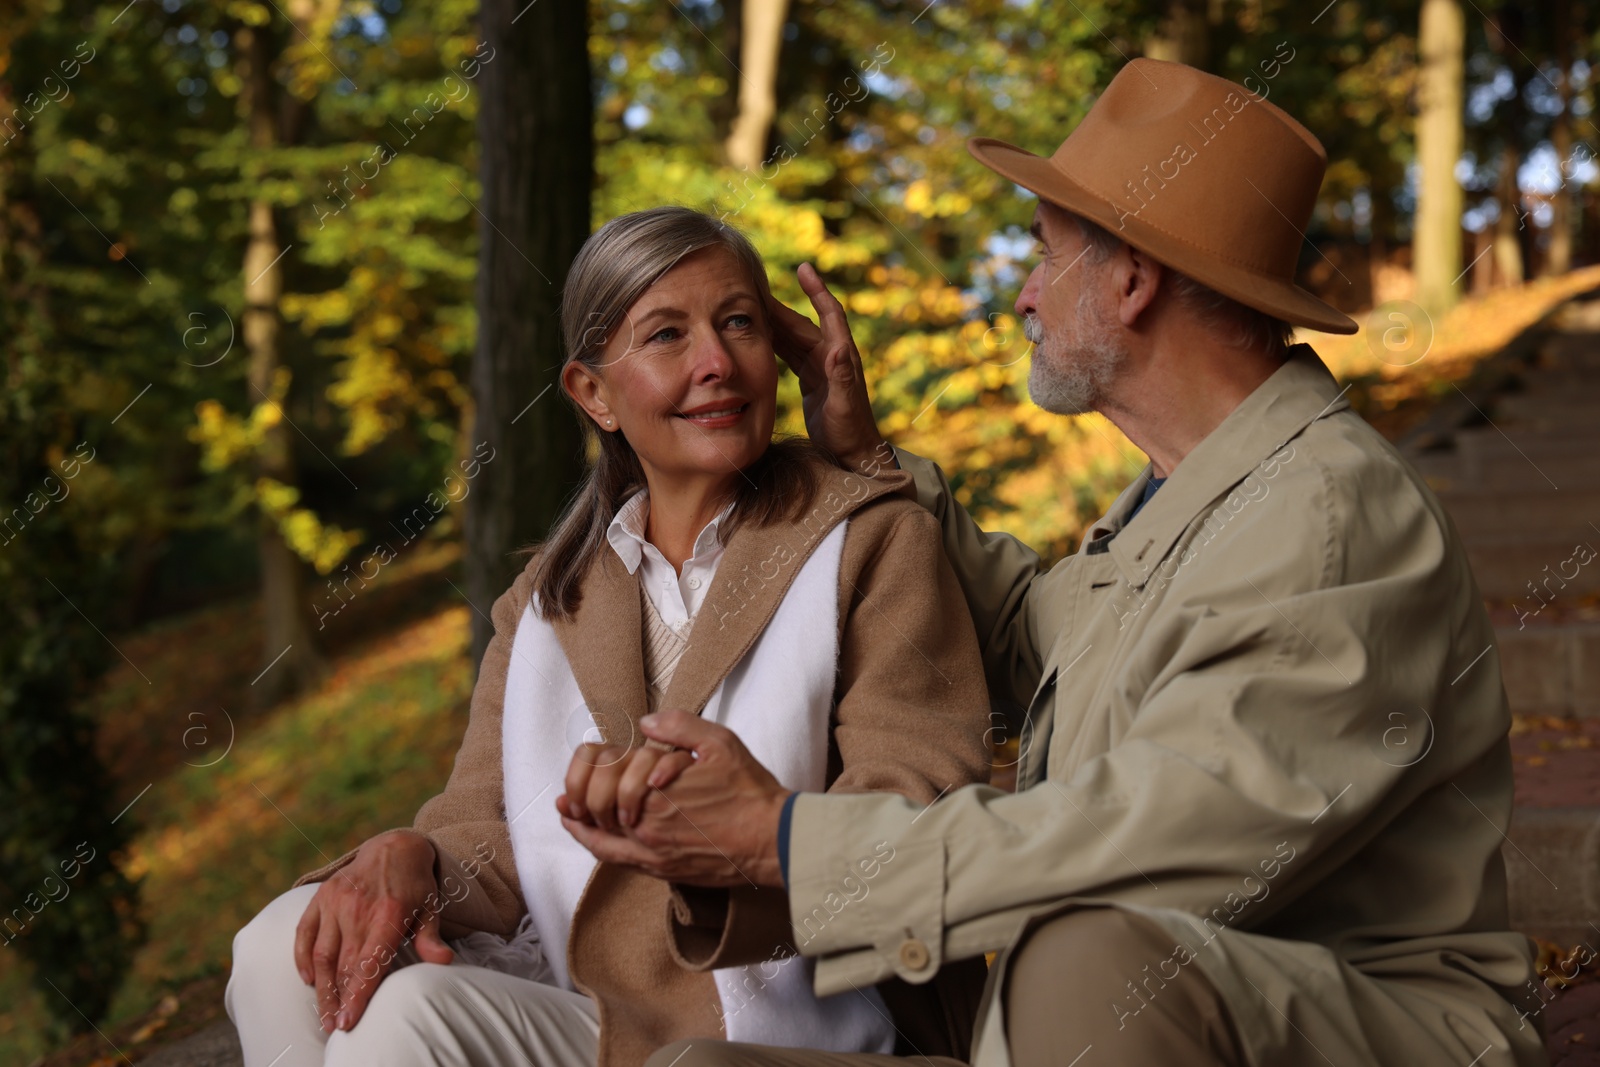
[
  {"x": 1540, "y": 394},
  {"x": 1552, "y": 860},
  {"x": 1573, "y": 351},
  {"x": 1546, "y": 409},
  {"x": 1555, "y": 377},
  {"x": 1535, "y": 444},
  {"x": 1579, "y": 381},
  {"x": 215, "y": 1046},
  {"x": 1551, "y": 670},
  {"x": 1574, "y": 348},
  {"x": 1536, "y": 513},
  {"x": 1571, "y": 470},
  {"x": 1450, "y": 472},
  {"x": 1443, "y": 470},
  {"x": 1504, "y": 567}
]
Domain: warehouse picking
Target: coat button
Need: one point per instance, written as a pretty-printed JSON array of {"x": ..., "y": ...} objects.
[{"x": 913, "y": 954}]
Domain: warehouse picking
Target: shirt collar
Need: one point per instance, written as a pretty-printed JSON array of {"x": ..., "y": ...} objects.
[
  {"x": 1297, "y": 394},
  {"x": 626, "y": 532}
]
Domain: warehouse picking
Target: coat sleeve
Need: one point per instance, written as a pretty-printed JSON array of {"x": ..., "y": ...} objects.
[
  {"x": 995, "y": 572},
  {"x": 466, "y": 823},
  {"x": 1248, "y": 767},
  {"x": 911, "y": 717}
]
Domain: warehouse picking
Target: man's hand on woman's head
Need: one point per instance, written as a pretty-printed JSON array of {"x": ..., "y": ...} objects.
[
  {"x": 833, "y": 384},
  {"x": 360, "y": 918},
  {"x": 712, "y": 820}
]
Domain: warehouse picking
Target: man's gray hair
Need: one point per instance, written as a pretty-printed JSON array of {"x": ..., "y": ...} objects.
[{"x": 1249, "y": 328}]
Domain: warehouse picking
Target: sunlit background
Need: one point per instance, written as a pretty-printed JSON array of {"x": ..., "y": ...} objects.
[{"x": 173, "y": 171}]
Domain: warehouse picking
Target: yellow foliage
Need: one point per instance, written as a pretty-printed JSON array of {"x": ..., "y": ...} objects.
[
  {"x": 322, "y": 546},
  {"x": 919, "y": 197},
  {"x": 866, "y": 302},
  {"x": 920, "y": 200}
]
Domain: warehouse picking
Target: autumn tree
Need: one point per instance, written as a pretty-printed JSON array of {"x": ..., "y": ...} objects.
[
  {"x": 1436, "y": 247},
  {"x": 536, "y": 172}
]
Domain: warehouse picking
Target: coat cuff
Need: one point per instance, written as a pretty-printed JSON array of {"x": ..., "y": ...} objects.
[
  {"x": 716, "y": 928},
  {"x": 327, "y": 870},
  {"x": 464, "y": 906},
  {"x": 858, "y": 880}
]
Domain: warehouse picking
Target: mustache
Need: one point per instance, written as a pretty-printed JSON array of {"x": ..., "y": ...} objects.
[{"x": 1032, "y": 329}]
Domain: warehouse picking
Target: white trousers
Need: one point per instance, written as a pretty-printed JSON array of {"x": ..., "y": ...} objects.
[{"x": 422, "y": 1014}]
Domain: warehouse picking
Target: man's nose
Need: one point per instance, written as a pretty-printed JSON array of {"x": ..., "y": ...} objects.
[{"x": 1028, "y": 300}]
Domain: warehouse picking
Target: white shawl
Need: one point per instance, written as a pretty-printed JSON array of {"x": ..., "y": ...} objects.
[{"x": 779, "y": 700}]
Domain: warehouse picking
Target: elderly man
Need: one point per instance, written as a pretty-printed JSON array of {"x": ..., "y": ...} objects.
[{"x": 1265, "y": 775}]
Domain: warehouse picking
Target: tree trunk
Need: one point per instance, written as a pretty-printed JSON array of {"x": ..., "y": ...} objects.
[
  {"x": 1481, "y": 282},
  {"x": 1505, "y": 33},
  {"x": 1184, "y": 35},
  {"x": 760, "y": 38},
  {"x": 1436, "y": 243},
  {"x": 291, "y": 661},
  {"x": 535, "y": 132},
  {"x": 1558, "y": 260},
  {"x": 1509, "y": 227}
]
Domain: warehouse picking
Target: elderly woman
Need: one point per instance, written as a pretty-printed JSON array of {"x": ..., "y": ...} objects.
[{"x": 702, "y": 566}]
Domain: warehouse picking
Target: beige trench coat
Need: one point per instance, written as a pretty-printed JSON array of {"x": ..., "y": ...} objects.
[{"x": 1267, "y": 713}]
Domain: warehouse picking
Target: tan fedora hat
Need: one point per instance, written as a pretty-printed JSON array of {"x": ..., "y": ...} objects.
[{"x": 1201, "y": 174}]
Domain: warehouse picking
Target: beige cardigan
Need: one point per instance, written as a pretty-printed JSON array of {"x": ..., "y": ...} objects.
[{"x": 913, "y": 731}]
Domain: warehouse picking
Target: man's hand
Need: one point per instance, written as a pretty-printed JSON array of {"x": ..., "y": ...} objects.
[
  {"x": 607, "y": 786},
  {"x": 352, "y": 929},
  {"x": 715, "y": 825},
  {"x": 833, "y": 386}
]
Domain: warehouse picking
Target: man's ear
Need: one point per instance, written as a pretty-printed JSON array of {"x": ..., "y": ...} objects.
[
  {"x": 589, "y": 390},
  {"x": 1139, "y": 278}
]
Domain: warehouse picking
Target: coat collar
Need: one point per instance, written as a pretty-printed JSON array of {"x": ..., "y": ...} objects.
[
  {"x": 603, "y": 639},
  {"x": 1296, "y": 395}
]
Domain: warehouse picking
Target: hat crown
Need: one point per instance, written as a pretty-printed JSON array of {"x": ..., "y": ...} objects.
[{"x": 1197, "y": 158}]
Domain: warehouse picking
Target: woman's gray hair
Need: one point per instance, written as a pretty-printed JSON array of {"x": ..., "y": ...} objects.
[
  {"x": 615, "y": 267},
  {"x": 625, "y": 257}
]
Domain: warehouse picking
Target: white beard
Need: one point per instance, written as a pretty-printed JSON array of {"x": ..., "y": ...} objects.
[{"x": 1069, "y": 374}]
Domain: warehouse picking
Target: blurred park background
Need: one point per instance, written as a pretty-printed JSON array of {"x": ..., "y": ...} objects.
[{"x": 277, "y": 287}]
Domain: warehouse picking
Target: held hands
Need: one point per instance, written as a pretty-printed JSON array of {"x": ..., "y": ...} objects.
[
  {"x": 833, "y": 385},
  {"x": 607, "y": 785},
  {"x": 704, "y": 815},
  {"x": 360, "y": 918}
]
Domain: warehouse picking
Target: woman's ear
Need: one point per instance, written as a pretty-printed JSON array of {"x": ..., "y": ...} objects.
[{"x": 589, "y": 390}]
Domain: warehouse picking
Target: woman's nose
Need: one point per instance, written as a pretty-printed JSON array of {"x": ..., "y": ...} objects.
[{"x": 711, "y": 359}]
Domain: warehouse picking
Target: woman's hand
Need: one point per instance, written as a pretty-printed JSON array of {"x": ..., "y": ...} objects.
[
  {"x": 717, "y": 825},
  {"x": 361, "y": 916},
  {"x": 607, "y": 786},
  {"x": 833, "y": 385}
]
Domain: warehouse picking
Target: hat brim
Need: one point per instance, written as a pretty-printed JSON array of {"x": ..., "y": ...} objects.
[{"x": 1271, "y": 295}]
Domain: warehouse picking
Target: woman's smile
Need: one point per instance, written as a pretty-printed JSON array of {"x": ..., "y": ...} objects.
[{"x": 716, "y": 415}]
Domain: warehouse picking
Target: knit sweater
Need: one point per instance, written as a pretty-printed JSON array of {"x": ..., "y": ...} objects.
[{"x": 663, "y": 648}]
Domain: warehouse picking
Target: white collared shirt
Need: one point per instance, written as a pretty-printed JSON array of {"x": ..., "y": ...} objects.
[{"x": 677, "y": 597}]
